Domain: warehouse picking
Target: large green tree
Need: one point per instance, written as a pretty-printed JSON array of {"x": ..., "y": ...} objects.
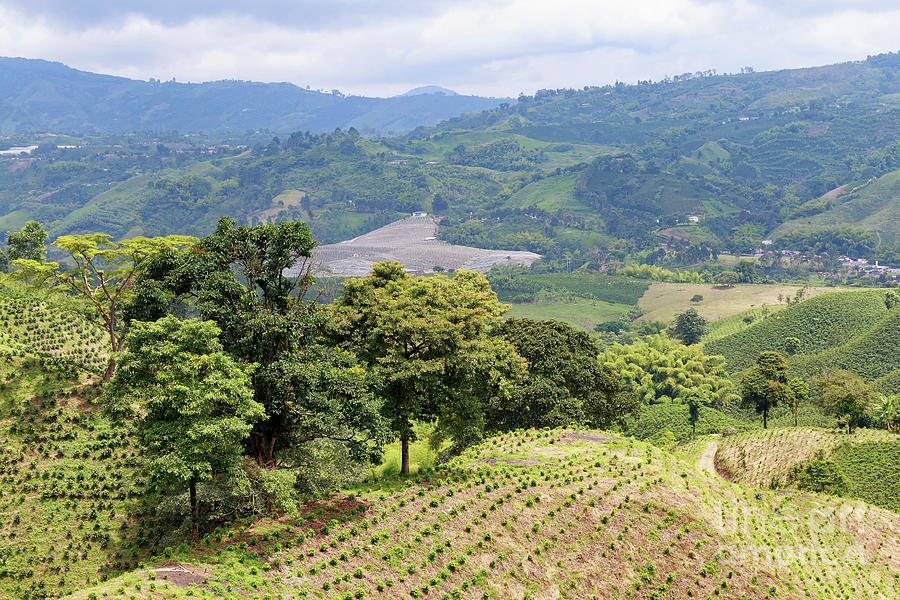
[
  {"x": 566, "y": 384},
  {"x": 844, "y": 395},
  {"x": 690, "y": 326},
  {"x": 28, "y": 243},
  {"x": 99, "y": 273},
  {"x": 430, "y": 342},
  {"x": 252, "y": 282},
  {"x": 194, "y": 404},
  {"x": 766, "y": 384}
]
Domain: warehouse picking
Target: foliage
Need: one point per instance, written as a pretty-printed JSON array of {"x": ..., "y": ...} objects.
[
  {"x": 822, "y": 476},
  {"x": 238, "y": 278},
  {"x": 195, "y": 403},
  {"x": 661, "y": 371},
  {"x": 844, "y": 395},
  {"x": 429, "y": 341},
  {"x": 102, "y": 277},
  {"x": 690, "y": 326},
  {"x": 766, "y": 384},
  {"x": 28, "y": 243},
  {"x": 727, "y": 278}
]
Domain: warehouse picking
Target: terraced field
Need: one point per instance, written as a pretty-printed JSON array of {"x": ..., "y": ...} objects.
[{"x": 544, "y": 514}]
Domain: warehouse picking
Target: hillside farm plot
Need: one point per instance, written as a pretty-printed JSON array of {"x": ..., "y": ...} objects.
[
  {"x": 542, "y": 515},
  {"x": 663, "y": 301},
  {"x": 412, "y": 242}
]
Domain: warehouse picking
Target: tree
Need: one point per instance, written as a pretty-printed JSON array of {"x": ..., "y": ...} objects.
[
  {"x": 887, "y": 409},
  {"x": 660, "y": 370},
  {"x": 194, "y": 403},
  {"x": 690, "y": 326},
  {"x": 891, "y": 298},
  {"x": 430, "y": 342},
  {"x": 253, "y": 282},
  {"x": 697, "y": 298},
  {"x": 565, "y": 383},
  {"x": 694, "y": 402},
  {"x": 844, "y": 395},
  {"x": 799, "y": 393},
  {"x": 727, "y": 278},
  {"x": 28, "y": 243},
  {"x": 102, "y": 277},
  {"x": 766, "y": 384}
]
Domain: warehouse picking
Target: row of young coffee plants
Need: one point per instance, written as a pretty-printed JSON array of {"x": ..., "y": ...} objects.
[
  {"x": 60, "y": 337},
  {"x": 540, "y": 514},
  {"x": 70, "y": 490}
]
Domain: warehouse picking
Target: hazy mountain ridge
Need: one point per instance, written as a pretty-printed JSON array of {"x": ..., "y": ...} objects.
[{"x": 42, "y": 96}]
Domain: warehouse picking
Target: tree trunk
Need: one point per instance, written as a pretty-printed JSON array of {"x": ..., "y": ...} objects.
[
  {"x": 195, "y": 512},
  {"x": 765, "y": 418},
  {"x": 110, "y": 369},
  {"x": 795, "y": 417},
  {"x": 404, "y": 454},
  {"x": 694, "y": 429}
]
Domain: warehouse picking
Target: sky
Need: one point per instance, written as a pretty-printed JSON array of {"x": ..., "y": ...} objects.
[{"x": 497, "y": 48}]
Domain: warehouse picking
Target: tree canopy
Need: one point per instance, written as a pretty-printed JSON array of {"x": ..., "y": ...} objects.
[
  {"x": 690, "y": 326},
  {"x": 194, "y": 403},
  {"x": 429, "y": 342},
  {"x": 766, "y": 384}
]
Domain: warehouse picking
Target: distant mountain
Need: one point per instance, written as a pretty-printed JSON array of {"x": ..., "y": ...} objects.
[
  {"x": 38, "y": 96},
  {"x": 429, "y": 89}
]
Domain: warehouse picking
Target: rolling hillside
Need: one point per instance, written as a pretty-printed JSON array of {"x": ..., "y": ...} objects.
[
  {"x": 850, "y": 329},
  {"x": 873, "y": 205},
  {"x": 543, "y": 515},
  {"x": 867, "y": 460}
]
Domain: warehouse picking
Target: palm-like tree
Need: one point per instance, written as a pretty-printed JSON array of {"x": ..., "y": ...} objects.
[{"x": 888, "y": 409}]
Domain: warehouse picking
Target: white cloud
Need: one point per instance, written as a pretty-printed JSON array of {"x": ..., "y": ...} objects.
[{"x": 499, "y": 48}]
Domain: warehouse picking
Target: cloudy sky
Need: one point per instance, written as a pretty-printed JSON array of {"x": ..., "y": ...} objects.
[{"x": 486, "y": 47}]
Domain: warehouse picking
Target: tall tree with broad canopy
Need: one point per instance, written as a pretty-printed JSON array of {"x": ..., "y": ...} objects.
[
  {"x": 766, "y": 384},
  {"x": 194, "y": 404},
  {"x": 252, "y": 281},
  {"x": 844, "y": 395},
  {"x": 102, "y": 277},
  {"x": 565, "y": 385},
  {"x": 430, "y": 342}
]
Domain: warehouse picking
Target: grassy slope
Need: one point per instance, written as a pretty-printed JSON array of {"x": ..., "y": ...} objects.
[
  {"x": 665, "y": 300},
  {"x": 545, "y": 515},
  {"x": 759, "y": 456},
  {"x": 580, "y": 312},
  {"x": 823, "y": 322},
  {"x": 874, "y": 207},
  {"x": 68, "y": 488}
]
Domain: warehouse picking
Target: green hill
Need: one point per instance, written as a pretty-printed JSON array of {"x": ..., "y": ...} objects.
[
  {"x": 541, "y": 514},
  {"x": 822, "y": 324},
  {"x": 873, "y": 205},
  {"x": 869, "y": 460}
]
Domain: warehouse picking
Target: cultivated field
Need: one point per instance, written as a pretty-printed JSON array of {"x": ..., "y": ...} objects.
[
  {"x": 412, "y": 242},
  {"x": 541, "y": 515},
  {"x": 665, "y": 300},
  {"x": 758, "y": 457},
  {"x": 579, "y": 312}
]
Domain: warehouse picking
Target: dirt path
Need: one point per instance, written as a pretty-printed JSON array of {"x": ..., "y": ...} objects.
[{"x": 707, "y": 459}]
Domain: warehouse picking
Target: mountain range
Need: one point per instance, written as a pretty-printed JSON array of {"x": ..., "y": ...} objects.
[{"x": 39, "y": 96}]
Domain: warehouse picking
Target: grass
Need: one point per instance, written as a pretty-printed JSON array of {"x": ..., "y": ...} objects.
[
  {"x": 579, "y": 312},
  {"x": 550, "y": 194},
  {"x": 663, "y": 301},
  {"x": 421, "y": 456},
  {"x": 543, "y": 514},
  {"x": 739, "y": 322},
  {"x": 765, "y": 458}
]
